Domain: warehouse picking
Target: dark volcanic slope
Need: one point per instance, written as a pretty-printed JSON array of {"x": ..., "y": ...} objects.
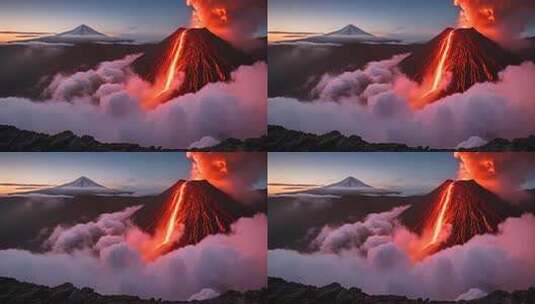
[
  {"x": 14, "y": 292},
  {"x": 27, "y": 70},
  {"x": 472, "y": 58},
  {"x": 205, "y": 211},
  {"x": 472, "y": 210},
  {"x": 295, "y": 69},
  {"x": 205, "y": 58},
  {"x": 34, "y": 218}
]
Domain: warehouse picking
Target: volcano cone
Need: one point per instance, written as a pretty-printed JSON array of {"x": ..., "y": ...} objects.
[
  {"x": 471, "y": 58},
  {"x": 470, "y": 210},
  {"x": 202, "y": 58},
  {"x": 204, "y": 210}
]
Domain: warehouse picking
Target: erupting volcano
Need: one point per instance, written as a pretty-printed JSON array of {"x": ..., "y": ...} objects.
[
  {"x": 188, "y": 60},
  {"x": 454, "y": 213},
  {"x": 454, "y": 61},
  {"x": 185, "y": 214}
]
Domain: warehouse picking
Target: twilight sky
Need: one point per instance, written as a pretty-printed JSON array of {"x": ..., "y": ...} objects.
[
  {"x": 135, "y": 19},
  {"x": 145, "y": 172},
  {"x": 407, "y": 172},
  {"x": 410, "y": 20}
]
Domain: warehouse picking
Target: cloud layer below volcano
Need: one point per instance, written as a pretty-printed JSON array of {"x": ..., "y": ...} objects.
[
  {"x": 374, "y": 103},
  {"x": 102, "y": 255},
  {"x": 379, "y": 262},
  {"x": 104, "y": 103}
]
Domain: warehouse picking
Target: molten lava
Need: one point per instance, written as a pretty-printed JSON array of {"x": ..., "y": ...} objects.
[
  {"x": 453, "y": 62},
  {"x": 184, "y": 215},
  {"x": 440, "y": 220},
  {"x": 171, "y": 222},
  {"x": 185, "y": 62},
  {"x": 440, "y": 70},
  {"x": 170, "y": 71},
  {"x": 453, "y": 214}
]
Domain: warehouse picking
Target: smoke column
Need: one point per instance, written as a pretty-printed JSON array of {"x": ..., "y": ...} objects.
[
  {"x": 502, "y": 173},
  {"x": 236, "y": 173},
  {"x": 235, "y": 20},
  {"x": 501, "y": 20}
]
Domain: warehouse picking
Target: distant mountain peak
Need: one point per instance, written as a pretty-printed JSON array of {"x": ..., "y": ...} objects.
[
  {"x": 82, "y": 30},
  {"x": 83, "y": 182},
  {"x": 349, "y": 30},
  {"x": 349, "y": 182}
]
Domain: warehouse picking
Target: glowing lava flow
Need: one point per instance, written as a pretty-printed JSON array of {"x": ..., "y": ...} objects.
[
  {"x": 439, "y": 71},
  {"x": 176, "y": 53},
  {"x": 440, "y": 221},
  {"x": 178, "y": 198}
]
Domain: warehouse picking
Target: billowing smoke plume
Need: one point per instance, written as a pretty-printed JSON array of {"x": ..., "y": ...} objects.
[
  {"x": 375, "y": 103},
  {"x": 234, "y": 20},
  {"x": 501, "y": 20},
  {"x": 502, "y": 173},
  {"x": 236, "y": 173},
  {"x": 106, "y": 103},
  {"x": 104, "y": 255},
  {"x": 380, "y": 262}
]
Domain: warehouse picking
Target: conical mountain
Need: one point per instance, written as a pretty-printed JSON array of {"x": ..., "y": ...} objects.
[
  {"x": 200, "y": 55},
  {"x": 470, "y": 58},
  {"x": 469, "y": 210},
  {"x": 204, "y": 210}
]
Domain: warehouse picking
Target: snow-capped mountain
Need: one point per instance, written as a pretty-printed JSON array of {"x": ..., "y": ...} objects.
[
  {"x": 81, "y": 186},
  {"x": 351, "y": 185},
  {"x": 80, "y": 34},
  {"x": 348, "y": 34},
  {"x": 349, "y": 30}
]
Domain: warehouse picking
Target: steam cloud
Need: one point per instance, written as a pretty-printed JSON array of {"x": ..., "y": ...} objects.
[
  {"x": 102, "y": 255},
  {"x": 379, "y": 263},
  {"x": 502, "y": 20},
  {"x": 236, "y": 173},
  {"x": 375, "y": 103},
  {"x": 105, "y": 103},
  {"x": 502, "y": 173},
  {"x": 236, "y": 21}
]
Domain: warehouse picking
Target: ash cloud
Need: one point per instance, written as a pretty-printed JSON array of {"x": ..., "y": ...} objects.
[
  {"x": 106, "y": 104},
  {"x": 379, "y": 262},
  {"x": 502, "y": 173},
  {"x": 375, "y": 103},
  {"x": 103, "y": 255},
  {"x": 236, "y": 173},
  {"x": 502, "y": 20},
  {"x": 234, "y": 20}
]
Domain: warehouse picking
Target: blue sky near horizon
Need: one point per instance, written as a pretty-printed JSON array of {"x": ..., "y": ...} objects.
[
  {"x": 411, "y": 20},
  {"x": 144, "y": 172},
  {"x": 408, "y": 172},
  {"x": 134, "y": 19}
]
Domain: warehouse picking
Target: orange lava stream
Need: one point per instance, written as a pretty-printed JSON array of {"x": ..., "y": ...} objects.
[
  {"x": 178, "y": 198},
  {"x": 439, "y": 71},
  {"x": 176, "y": 53},
  {"x": 439, "y": 224}
]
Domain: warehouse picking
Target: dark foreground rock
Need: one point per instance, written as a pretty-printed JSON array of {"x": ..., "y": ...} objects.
[
  {"x": 14, "y": 292},
  {"x": 15, "y": 140},
  {"x": 280, "y": 139},
  {"x": 282, "y": 292}
]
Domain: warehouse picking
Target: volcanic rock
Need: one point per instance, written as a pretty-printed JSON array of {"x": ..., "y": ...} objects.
[
  {"x": 206, "y": 210},
  {"x": 13, "y": 139},
  {"x": 472, "y": 210},
  {"x": 472, "y": 58},
  {"x": 205, "y": 58},
  {"x": 282, "y": 292},
  {"x": 15, "y": 292}
]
